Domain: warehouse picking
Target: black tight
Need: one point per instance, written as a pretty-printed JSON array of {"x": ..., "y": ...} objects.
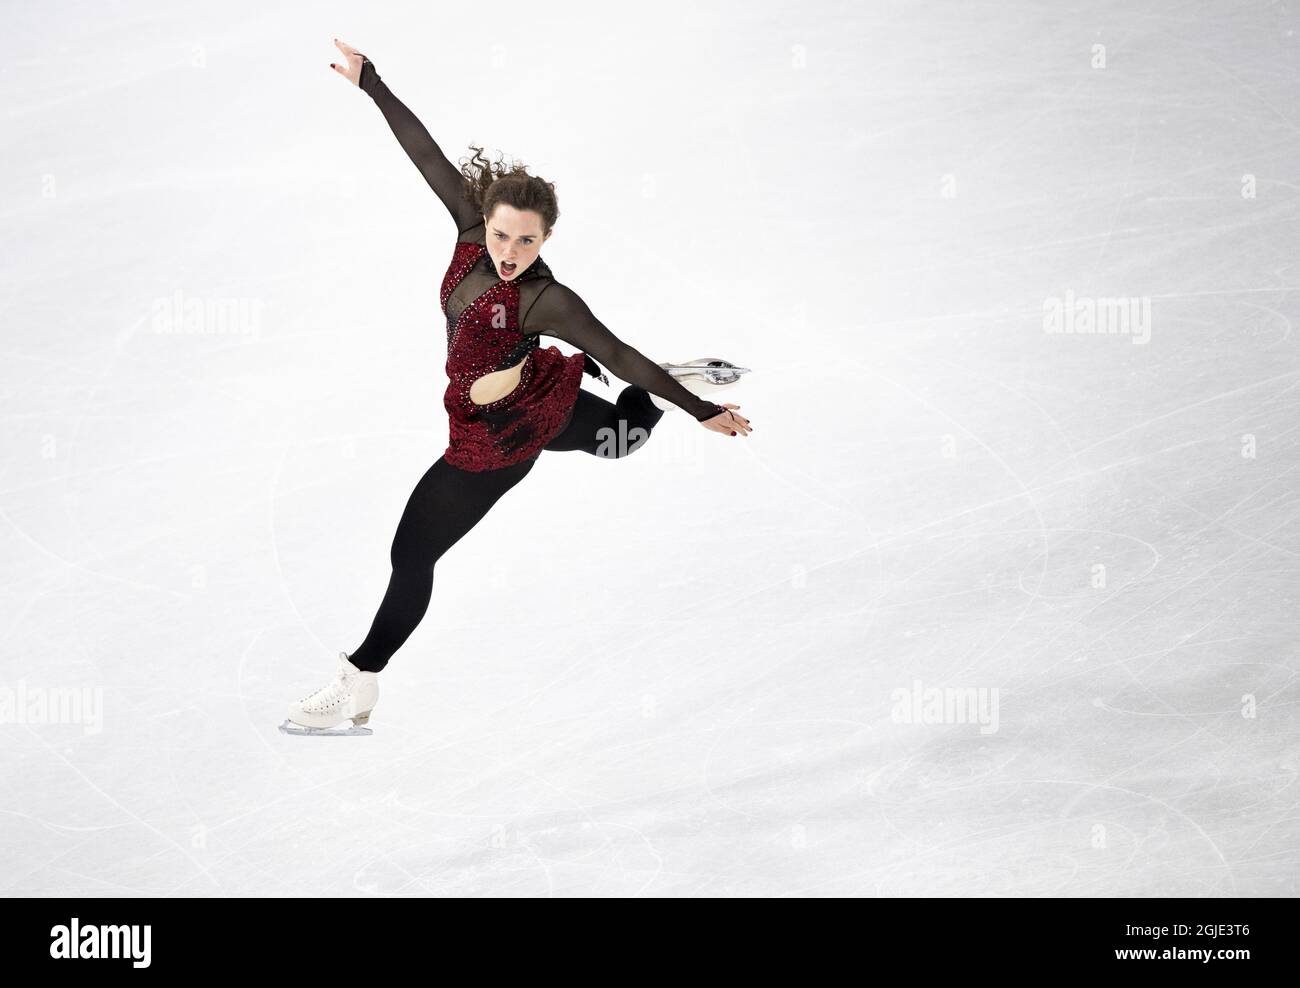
[
  {"x": 606, "y": 430},
  {"x": 448, "y": 502}
]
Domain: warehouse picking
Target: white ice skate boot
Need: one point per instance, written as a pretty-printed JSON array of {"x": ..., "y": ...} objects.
[
  {"x": 351, "y": 695},
  {"x": 701, "y": 378}
]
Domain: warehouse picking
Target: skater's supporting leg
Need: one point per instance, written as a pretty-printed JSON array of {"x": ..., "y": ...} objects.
[
  {"x": 609, "y": 430},
  {"x": 446, "y": 503}
]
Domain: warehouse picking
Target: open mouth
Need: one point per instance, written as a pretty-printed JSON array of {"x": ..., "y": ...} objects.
[{"x": 507, "y": 267}]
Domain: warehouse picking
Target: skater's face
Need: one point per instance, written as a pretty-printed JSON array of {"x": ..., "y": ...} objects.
[{"x": 514, "y": 239}]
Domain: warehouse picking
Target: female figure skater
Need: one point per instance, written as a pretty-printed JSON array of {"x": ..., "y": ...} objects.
[{"x": 507, "y": 398}]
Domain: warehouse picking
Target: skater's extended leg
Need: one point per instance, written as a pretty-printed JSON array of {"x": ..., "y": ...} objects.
[
  {"x": 609, "y": 430},
  {"x": 446, "y": 503}
]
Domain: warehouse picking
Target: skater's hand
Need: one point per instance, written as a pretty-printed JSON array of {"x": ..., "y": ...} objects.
[
  {"x": 354, "y": 59},
  {"x": 728, "y": 423}
]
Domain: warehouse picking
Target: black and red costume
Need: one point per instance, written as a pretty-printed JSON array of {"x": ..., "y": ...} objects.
[{"x": 493, "y": 324}]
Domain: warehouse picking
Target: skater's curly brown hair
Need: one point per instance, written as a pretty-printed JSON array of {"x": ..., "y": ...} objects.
[{"x": 487, "y": 184}]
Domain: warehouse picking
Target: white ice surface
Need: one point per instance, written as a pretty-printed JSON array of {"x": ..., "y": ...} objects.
[{"x": 670, "y": 674}]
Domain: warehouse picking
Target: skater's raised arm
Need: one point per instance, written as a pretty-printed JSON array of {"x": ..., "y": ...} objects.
[
  {"x": 443, "y": 177},
  {"x": 560, "y": 312}
]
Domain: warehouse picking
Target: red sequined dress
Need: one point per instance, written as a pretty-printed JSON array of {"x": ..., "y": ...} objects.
[
  {"x": 493, "y": 324},
  {"x": 484, "y": 336}
]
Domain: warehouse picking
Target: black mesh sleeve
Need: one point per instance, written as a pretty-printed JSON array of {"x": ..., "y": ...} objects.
[
  {"x": 443, "y": 177},
  {"x": 561, "y": 313}
]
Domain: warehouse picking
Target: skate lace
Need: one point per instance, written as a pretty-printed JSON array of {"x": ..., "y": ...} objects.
[{"x": 332, "y": 692}]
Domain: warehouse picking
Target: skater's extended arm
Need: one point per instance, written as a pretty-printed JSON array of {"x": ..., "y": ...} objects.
[
  {"x": 443, "y": 177},
  {"x": 561, "y": 313}
]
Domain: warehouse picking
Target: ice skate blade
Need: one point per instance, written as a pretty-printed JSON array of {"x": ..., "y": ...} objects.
[
  {"x": 710, "y": 370},
  {"x": 299, "y": 731}
]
